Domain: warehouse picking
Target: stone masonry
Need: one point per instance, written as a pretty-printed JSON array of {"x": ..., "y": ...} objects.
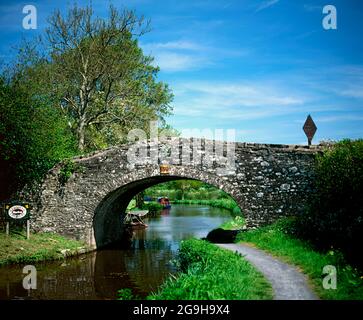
[{"x": 267, "y": 182}]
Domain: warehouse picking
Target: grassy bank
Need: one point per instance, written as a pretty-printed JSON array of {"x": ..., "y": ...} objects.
[
  {"x": 275, "y": 240},
  {"x": 237, "y": 223},
  {"x": 209, "y": 272},
  {"x": 15, "y": 248},
  {"x": 224, "y": 203}
]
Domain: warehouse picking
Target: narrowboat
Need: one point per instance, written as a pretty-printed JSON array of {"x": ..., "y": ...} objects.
[{"x": 133, "y": 219}]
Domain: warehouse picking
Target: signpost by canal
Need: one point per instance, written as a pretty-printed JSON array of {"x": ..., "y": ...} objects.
[
  {"x": 17, "y": 212},
  {"x": 309, "y": 129}
]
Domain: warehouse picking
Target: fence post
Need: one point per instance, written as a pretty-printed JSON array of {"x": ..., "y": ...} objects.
[{"x": 28, "y": 229}]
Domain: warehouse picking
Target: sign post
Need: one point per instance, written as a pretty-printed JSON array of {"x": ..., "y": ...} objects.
[
  {"x": 17, "y": 211},
  {"x": 28, "y": 229},
  {"x": 309, "y": 129}
]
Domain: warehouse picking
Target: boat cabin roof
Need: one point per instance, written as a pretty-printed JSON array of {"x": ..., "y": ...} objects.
[{"x": 140, "y": 213}]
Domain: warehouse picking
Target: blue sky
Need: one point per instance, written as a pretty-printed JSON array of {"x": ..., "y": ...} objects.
[{"x": 256, "y": 66}]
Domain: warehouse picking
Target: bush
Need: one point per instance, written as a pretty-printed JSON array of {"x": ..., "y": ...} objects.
[
  {"x": 126, "y": 294},
  {"x": 236, "y": 211},
  {"x": 66, "y": 171},
  {"x": 209, "y": 272},
  {"x": 335, "y": 216},
  {"x": 178, "y": 194},
  {"x": 153, "y": 207}
]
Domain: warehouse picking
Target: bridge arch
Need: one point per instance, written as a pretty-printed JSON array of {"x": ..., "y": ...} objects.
[{"x": 107, "y": 220}]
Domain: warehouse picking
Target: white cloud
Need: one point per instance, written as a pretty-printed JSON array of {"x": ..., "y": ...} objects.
[
  {"x": 184, "y": 55},
  {"x": 319, "y": 92},
  {"x": 178, "y": 45},
  {"x": 178, "y": 55},
  {"x": 311, "y": 7},
  {"x": 233, "y": 100},
  {"x": 354, "y": 91},
  {"x": 266, "y": 4},
  {"x": 341, "y": 80},
  {"x": 248, "y": 95},
  {"x": 171, "y": 62},
  {"x": 339, "y": 118}
]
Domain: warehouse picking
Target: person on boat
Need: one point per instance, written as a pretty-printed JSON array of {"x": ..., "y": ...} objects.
[{"x": 164, "y": 201}]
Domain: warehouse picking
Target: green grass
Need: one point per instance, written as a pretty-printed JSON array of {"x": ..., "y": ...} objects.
[
  {"x": 224, "y": 203},
  {"x": 209, "y": 272},
  {"x": 15, "y": 248},
  {"x": 275, "y": 240},
  {"x": 237, "y": 223}
]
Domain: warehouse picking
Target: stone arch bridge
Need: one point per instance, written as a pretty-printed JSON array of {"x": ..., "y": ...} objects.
[{"x": 266, "y": 181}]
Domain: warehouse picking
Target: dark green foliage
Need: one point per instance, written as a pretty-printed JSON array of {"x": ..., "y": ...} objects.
[
  {"x": 186, "y": 190},
  {"x": 335, "y": 216},
  {"x": 126, "y": 294},
  {"x": 33, "y": 137},
  {"x": 153, "y": 207},
  {"x": 228, "y": 204},
  {"x": 66, "y": 171},
  {"x": 209, "y": 272}
]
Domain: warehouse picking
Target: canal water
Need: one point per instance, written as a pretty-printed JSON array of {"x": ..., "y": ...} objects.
[{"x": 142, "y": 266}]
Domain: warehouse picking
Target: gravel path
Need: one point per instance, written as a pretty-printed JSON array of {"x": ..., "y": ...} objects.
[{"x": 287, "y": 282}]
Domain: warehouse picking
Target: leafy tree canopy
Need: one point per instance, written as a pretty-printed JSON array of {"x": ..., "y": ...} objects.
[{"x": 95, "y": 73}]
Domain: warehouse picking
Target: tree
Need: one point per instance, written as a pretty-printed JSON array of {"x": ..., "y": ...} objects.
[
  {"x": 185, "y": 185},
  {"x": 33, "y": 137},
  {"x": 140, "y": 199},
  {"x": 97, "y": 75},
  {"x": 167, "y": 131}
]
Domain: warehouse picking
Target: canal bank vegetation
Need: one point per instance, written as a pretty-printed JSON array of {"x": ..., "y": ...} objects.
[
  {"x": 15, "y": 248},
  {"x": 277, "y": 240},
  {"x": 152, "y": 207},
  {"x": 236, "y": 223},
  {"x": 195, "y": 193},
  {"x": 208, "y": 272},
  {"x": 224, "y": 203},
  {"x": 334, "y": 217}
]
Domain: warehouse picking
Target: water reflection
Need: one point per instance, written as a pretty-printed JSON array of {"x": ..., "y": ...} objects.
[{"x": 143, "y": 266}]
